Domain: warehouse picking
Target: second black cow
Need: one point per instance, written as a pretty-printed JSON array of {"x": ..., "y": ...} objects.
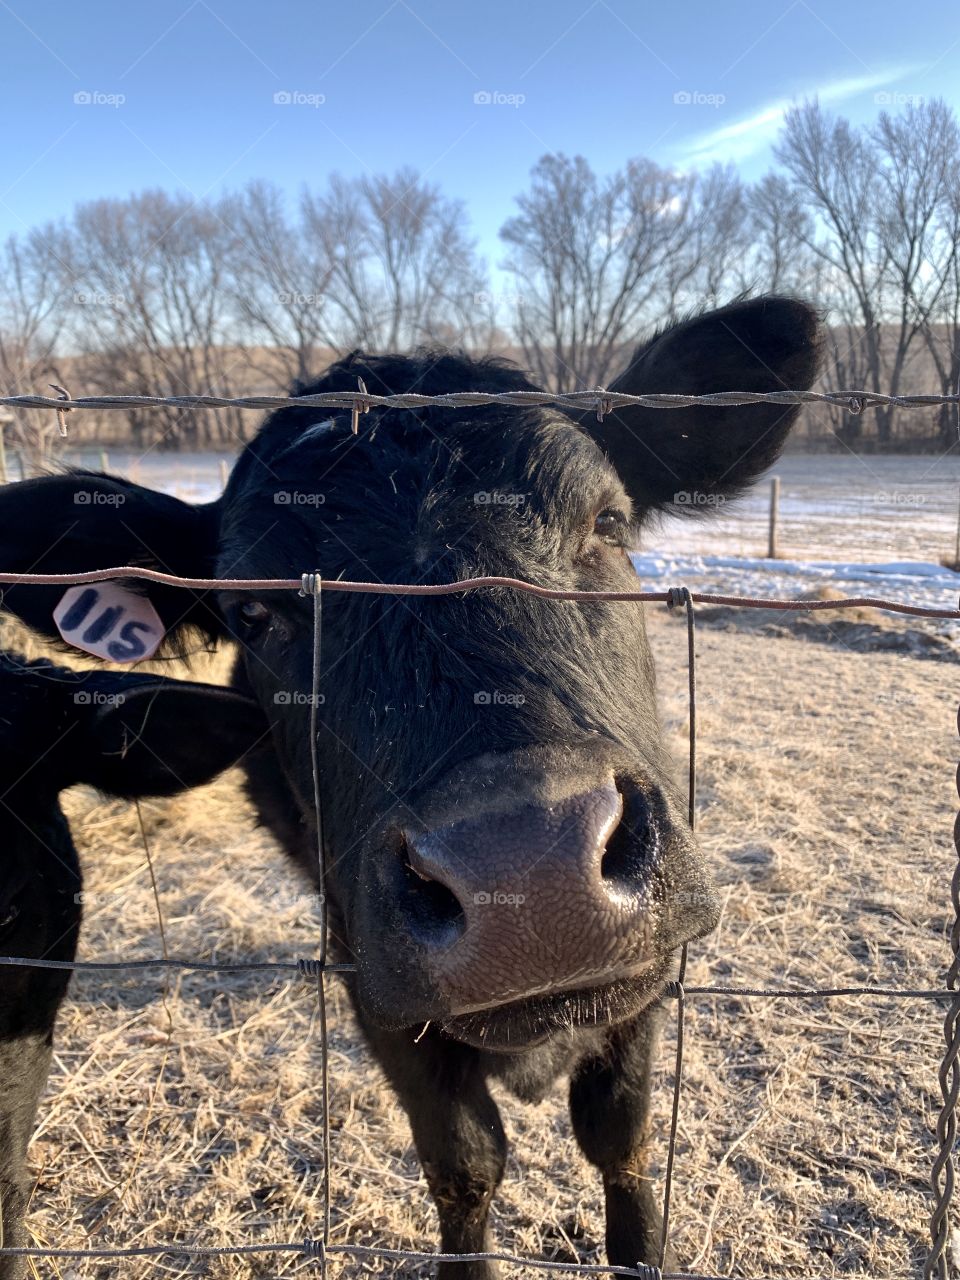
[{"x": 127, "y": 735}]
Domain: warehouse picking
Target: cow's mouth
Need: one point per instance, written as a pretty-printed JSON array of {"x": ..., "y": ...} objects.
[{"x": 522, "y": 1024}]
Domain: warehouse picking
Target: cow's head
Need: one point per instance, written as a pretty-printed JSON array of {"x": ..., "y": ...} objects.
[
  {"x": 504, "y": 840},
  {"x": 124, "y": 733}
]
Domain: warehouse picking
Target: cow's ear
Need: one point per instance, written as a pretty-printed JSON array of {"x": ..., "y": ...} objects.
[
  {"x": 83, "y": 521},
  {"x": 158, "y": 737},
  {"x": 689, "y": 460}
]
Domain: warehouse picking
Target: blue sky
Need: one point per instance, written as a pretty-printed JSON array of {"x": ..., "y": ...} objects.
[{"x": 183, "y": 94}]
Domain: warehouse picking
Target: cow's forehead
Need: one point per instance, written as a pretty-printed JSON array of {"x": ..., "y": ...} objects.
[
  {"x": 314, "y": 432},
  {"x": 449, "y": 429},
  {"x": 442, "y": 455},
  {"x": 539, "y": 445},
  {"x": 410, "y": 488}
]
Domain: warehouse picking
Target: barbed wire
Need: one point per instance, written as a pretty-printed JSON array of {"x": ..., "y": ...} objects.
[
  {"x": 317, "y": 968},
  {"x": 598, "y": 400}
]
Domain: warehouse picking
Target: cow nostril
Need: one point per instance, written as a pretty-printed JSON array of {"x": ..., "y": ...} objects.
[
  {"x": 626, "y": 856},
  {"x": 434, "y": 913}
]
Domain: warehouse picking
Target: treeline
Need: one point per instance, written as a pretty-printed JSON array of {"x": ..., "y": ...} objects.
[{"x": 162, "y": 294}]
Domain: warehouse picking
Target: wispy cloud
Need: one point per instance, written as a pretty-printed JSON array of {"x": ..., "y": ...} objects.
[{"x": 743, "y": 138}]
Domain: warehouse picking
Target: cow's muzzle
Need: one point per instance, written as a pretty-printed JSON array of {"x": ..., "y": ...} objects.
[{"x": 522, "y": 886}]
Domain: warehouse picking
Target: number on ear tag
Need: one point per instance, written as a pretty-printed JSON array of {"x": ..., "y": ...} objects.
[{"x": 110, "y": 621}]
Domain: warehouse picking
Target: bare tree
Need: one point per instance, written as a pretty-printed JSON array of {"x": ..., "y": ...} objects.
[
  {"x": 402, "y": 267},
  {"x": 714, "y": 253},
  {"x": 920, "y": 165},
  {"x": 871, "y": 204},
  {"x": 279, "y": 279},
  {"x": 34, "y": 298},
  {"x": 942, "y": 332},
  {"x": 152, "y": 308},
  {"x": 920, "y": 170},
  {"x": 833, "y": 169},
  {"x": 594, "y": 262},
  {"x": 779, "y": 234}
]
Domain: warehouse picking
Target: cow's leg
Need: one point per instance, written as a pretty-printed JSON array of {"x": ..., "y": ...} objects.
[
  {"x": 458, "y": 1135},
  {"x": 39, "y": 918},
  {"x": 610, "y": 1110},
  {"x": 24, "y": 1063}
]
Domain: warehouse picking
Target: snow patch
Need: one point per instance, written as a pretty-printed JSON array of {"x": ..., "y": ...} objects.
[{"x": 914, "y": 582}]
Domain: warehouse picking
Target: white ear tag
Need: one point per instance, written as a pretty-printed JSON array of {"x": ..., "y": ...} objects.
[{"x": 110, "y": 621}]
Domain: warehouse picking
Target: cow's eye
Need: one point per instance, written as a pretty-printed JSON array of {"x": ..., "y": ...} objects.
[
  {"x": 610, "y": 527},
  {"x": 253, "y": 614}
]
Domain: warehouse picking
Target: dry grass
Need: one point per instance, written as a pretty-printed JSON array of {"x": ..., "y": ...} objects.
[{"x": 191, "y": 1110}]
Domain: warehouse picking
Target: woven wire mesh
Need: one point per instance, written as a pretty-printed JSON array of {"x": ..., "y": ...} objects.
[{"x": 317, "y": 968}]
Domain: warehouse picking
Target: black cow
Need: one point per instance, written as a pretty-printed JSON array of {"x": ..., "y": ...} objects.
[
  {"x": 127, "y": 735},
  {"x": 509, "y": 861}
]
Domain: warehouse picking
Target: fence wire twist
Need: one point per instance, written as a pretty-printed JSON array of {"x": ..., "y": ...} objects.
[
  {"x": 597, "y": 400},
  {"x": 316, "y": 968}
]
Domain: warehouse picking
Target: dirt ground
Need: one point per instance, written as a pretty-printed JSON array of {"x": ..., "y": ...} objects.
[{"x": 190, "y": 1109}]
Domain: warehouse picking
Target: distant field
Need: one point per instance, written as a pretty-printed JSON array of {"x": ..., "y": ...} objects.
[
  {"x": 832, "y": 506},
  {"x": 838, "y": 507},
  {"x": 191, "y": 1110}
]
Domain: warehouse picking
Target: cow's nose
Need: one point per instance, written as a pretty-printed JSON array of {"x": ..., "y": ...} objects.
[{"x": 534, "y": 899}]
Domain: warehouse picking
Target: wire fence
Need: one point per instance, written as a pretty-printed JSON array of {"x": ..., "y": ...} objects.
[
  {"x": 597, "y": 399},
  {"x": 318, "y": 968}
]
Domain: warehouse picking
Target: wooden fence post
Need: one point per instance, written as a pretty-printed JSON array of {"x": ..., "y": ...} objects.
[{"x": 772, "y": 550}]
